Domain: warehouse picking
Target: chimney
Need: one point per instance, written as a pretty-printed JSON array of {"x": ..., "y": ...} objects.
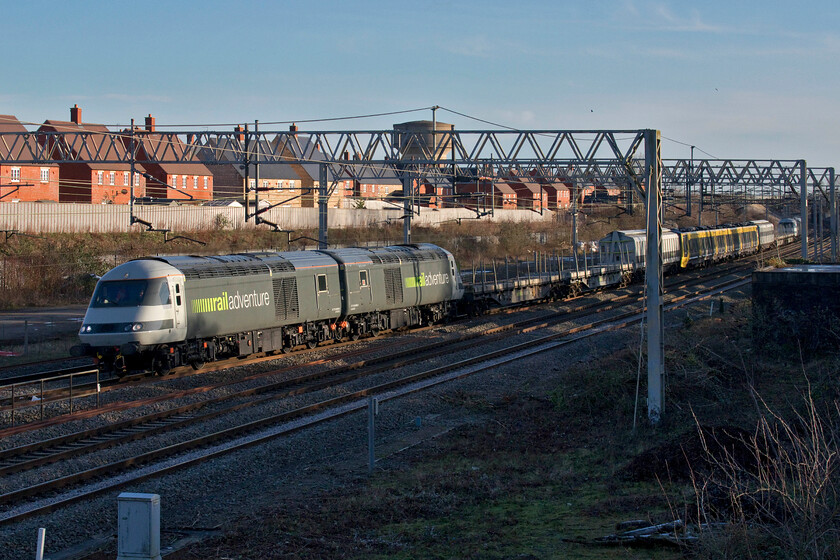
[
  {"x": 293, "y": 128},
  {"x": 76, "y": 114},
  {"x": 346, "y": 155},
  {"x": 239, "y": 136},
  {"x": 150, "y": 123}
]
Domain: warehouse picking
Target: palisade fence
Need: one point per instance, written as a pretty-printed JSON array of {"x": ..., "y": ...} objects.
[{"x": 36, "y": 217}]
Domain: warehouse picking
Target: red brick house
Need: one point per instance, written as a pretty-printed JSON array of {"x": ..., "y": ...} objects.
[
  {"x": 559, "y": 193},
  {"x": 377, "y": 188},
  {"x": 184, "y": 181},
  {"x": 24, "y": 182},
  {"x": 529, "y": 194},
  {"x": 497, "y": 195},
  {"x": 93, "y": 183}
]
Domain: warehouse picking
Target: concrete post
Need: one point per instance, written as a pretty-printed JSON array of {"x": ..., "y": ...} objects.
[
  {"x": 39, "y": 547},
  {"x": 138, "y": 533}
]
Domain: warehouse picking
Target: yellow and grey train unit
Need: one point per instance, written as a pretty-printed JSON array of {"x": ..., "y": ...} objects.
[
  {"x": 157, "y": 313},
  {"x": 692, "y": 247}
]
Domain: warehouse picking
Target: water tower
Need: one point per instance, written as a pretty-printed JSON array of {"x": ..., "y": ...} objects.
[{"x": 425, "y": 140}]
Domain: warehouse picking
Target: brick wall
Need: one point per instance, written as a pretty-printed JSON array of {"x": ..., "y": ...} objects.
[{"x": 29, "y": 186}]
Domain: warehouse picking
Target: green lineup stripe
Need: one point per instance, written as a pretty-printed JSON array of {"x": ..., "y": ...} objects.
[
  {"x": 207, "y": 305},
  {"x": 415, "y": 281}
]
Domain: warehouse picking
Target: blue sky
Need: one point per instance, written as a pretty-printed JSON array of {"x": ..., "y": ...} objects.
[{"x": 742, "y": 79}]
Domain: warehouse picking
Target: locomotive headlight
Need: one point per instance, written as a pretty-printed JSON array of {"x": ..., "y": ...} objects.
[
  {"x": 86, "y": 329},
  {"x": 133, "y": 327}
]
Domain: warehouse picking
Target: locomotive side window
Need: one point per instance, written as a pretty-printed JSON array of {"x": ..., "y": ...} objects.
[
  {"x": 164, "y": 294},
  {"x": 177, "y": 294},
  {"x": 322, "y": 282},
  {"x": 363, "y": 278}
]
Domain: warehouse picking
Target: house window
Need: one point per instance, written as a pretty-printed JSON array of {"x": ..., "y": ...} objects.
[
  {"x": 100, "y": 177},
  {"x": 125, "y": 178},
  {"x": 252, "y": 184},
  {"x": 15, "y": 174},
  {"x": 184, "y": 182},
  {"x": 45, "y": 174},
  {"x": 136, "y": 179},
  {"x": 265, "y": 185},
  {"x": 111, "y": 178},
  {"x": 174, "y": 182},
  {"x": 195, "y": 182},
  {"x": 205, "y": 183}
]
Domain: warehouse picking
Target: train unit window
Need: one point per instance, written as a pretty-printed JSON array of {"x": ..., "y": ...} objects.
[
  {"x": 322, "y": 282},
  {"x": 177, "y": 294},
  {"x": 363, "y": 278}
]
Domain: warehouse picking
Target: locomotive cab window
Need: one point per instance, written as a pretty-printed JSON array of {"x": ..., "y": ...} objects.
[
  {"x": 131, "y": 293},
  {"x": 363, "y": 278},
  {"x": 321, "y": 280}
]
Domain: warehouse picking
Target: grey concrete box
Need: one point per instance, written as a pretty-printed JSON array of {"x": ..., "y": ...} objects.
[{"x": 139, "y": 526}]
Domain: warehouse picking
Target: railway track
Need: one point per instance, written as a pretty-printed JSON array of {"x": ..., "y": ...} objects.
[{"x": 28, "y": 458}]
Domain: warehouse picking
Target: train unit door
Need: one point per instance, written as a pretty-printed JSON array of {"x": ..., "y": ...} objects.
[
  {"x": 355, "y": 288},
  {"x": 327, "y": 292},
  {"x": 179, "y": 305}
]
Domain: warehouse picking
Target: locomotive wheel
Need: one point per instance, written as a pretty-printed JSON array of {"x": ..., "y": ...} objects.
[{"x": 161, "y": 366}]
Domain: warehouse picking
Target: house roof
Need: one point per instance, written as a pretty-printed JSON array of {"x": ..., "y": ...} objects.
[
  {"x": 93, "y": 145},
  {"x": 165, "y": 145},
  {"x": 269, "y": 167},
  {"x": 522, "y": 183},
  {"x": 15, "y": 147},
  {"x": 503, "y": 188}
]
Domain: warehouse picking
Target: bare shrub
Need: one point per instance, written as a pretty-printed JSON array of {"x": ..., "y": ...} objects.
[{"x": 785, "y": 498}]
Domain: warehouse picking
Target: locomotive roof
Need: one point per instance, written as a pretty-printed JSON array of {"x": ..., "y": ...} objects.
[
  {"x": 139, "y": 269},
  {"x": 395, "y": 254},
  {"x": 269, "y": 262},
  {"x": 245, "y": 264}
]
